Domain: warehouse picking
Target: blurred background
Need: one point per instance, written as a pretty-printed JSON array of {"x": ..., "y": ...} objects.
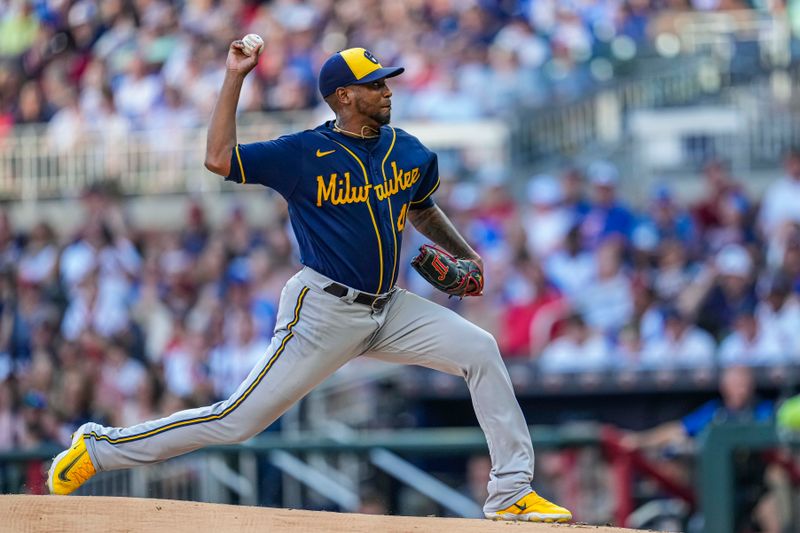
[{"x": 629, "y": 170}]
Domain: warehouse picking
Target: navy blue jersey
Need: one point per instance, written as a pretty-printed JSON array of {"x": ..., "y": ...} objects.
[{"x": 348, "y": 198}]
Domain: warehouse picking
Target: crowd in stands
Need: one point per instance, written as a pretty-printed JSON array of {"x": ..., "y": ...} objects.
[
  {"x": 595, "y": 283},
  {"x": 81, "y": 64},
  {"x": 121, "y": 324}
]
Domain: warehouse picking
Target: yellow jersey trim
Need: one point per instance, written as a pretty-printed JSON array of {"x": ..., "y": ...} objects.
[
  {"x": 239, "y": 159},
  {"x": 436, "y": 186},
  {"x": 371, "y": 215},
  {"x": 358, "y": 63},
  {"x": 234, "y": 405},
  {"x": 389, "y": 200}
]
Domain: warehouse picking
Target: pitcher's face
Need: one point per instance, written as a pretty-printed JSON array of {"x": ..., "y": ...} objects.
[{"x": 374, "y": 101}]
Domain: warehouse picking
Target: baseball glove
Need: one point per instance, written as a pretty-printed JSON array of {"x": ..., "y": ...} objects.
[{"x": 456, "y": 277}]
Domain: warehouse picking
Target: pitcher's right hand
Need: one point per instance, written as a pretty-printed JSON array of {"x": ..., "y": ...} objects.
[{"x": 238, "y": 61}]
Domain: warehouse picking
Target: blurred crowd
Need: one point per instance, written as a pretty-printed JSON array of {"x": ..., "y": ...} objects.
[
  {"x": 81, "y": 64},
  {"x": 579, "y": 280},
  {"x": 119, "y": 324},
  {"x": 129, "y": 325}
]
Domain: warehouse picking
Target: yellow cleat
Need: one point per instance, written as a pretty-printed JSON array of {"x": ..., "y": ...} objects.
[
  {"x": 532, "y": 508},
  {"x": 71, "y": 468}
]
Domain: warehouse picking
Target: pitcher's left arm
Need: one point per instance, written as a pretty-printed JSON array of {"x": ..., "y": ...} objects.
[{"x": 434, "y": 224}]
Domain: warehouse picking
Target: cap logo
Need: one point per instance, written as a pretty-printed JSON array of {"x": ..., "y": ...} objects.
[
  {"x": 360, "y": 61},
  {"x": 371, "y": 57}
]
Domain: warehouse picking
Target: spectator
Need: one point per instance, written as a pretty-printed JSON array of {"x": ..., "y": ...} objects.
[
  {"x": 681, "y": 345},
  {"x": 120, "y": 379},
  {"x": 104, "y": 246},
  {"x": 67, "y": 129},
  {"x": 18, "y": 28},
  {"x": 647, "y": 316},
  {"x": 137, "y": 91},
  {"x": 230, "y": 363},
  {"x": 36, "y": 426},
  {"x": 528, "y": 323},
  {"x": 141, "y": 407},
  {"x": 738, "y": 403},
  {"x": 150, "y": 310},
  {"x": 264, "y": 298},
  {"x": 186, "y": 373},
  {"x": 93, "y": 310},
  {"x": 780, "y": 207},
  {"x": 674, "y": 273},
  {"x": 519, "y": 38},
  {"x": 73, "y": 404},
  {"x": 667, "y": 221},
  {"x": 608, "y": 217},
  {"x": 113, "y": 129},
  {"x": 721, "y": 290},
  {"x": 779, "y": 312},
  {"x": 571, "y": 268},
  {"x": 32, "y": 107},
  {"x": 735, "y": 224},
  {"x": 629, "y": 348},
  {"x": 445, "y": 101},
  {"x": 579, "y": 349},
  {"x": 719, "y": 187},
  {"x": 546, "y": 222},
  {"x": 574, "y": 198},
  {"x": 37, "y": 264},
  {"x": 752, "y": 344},
  {"x": 23, "y": 316},
  {"x": 490, "y": 216},
  {"x": 607, "y": 302},
  {"x": 170, "y": 122},
  {"x": 196, "y": 231}
]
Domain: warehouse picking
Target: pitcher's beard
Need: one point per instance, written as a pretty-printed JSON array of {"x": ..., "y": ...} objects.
[{"x": 383, "y": 118}]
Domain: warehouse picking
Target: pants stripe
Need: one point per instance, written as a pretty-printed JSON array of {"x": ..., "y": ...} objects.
[{"x": 233, "y": 406}]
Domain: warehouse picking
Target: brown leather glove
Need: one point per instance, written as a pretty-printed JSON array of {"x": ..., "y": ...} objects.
[{"x": 456, "y": 277}]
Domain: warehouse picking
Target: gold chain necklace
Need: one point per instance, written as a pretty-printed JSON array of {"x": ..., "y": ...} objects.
[{"x": 353, "y": 134}]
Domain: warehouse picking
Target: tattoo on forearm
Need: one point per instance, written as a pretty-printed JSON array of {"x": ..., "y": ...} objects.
[{"x": 435, "y": 225}]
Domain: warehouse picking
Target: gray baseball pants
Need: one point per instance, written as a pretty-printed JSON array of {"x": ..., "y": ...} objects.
[{"x": 316, "y": 333}]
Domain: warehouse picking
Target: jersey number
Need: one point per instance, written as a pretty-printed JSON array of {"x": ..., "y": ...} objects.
[{"x": 401, "y": 219}]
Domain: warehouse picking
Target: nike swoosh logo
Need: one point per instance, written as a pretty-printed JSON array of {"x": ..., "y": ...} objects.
[
  {"x": 521, "y": 507},
  {"x": 320, "y": 153},
  {"x": 64, "y": 471}
]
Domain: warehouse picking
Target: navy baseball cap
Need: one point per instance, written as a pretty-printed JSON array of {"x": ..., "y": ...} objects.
[{"x": 353, "y": 66}]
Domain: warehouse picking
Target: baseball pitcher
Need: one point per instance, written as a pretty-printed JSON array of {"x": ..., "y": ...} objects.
[{"x": 351, "y": 184}]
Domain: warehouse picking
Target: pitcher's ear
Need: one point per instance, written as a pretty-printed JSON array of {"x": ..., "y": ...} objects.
[{"x": 343, "y": 94}]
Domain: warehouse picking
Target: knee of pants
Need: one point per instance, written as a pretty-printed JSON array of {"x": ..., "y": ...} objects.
[{"x": 483, "y": 352}]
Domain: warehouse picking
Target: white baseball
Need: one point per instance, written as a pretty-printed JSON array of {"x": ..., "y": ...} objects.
[{"x": 251, "y": 42}]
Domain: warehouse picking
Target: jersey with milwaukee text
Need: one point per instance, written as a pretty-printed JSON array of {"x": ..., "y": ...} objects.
[{"x": 348, "y": 198}]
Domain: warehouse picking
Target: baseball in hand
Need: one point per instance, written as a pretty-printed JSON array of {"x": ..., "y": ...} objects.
[{"x": 251, "y": 42}]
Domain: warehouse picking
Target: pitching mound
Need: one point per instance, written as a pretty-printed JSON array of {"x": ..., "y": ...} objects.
[{"x": 107, "y": 515}]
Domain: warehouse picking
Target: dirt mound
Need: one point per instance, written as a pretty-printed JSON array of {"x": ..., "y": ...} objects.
[{"x": 107, "y": 515}]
